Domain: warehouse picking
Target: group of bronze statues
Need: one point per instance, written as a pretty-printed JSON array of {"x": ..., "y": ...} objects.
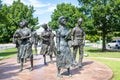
[{"x": 25, "y": 38}]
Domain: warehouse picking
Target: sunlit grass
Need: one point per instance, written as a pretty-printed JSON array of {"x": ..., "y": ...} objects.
[
  {"x": 4, "y": 54},
  {"x": 95, "y": 52},
  {"x": 7, "y": 53}
]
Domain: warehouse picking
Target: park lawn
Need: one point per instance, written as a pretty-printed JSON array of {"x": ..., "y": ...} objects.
[
  {"x": 8, "y": 53},
  {"x": 94, "y": 53},
  {"x": 4, "y": 54}
]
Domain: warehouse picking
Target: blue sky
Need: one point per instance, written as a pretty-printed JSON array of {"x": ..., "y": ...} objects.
[{"x": 44, "y": 8}]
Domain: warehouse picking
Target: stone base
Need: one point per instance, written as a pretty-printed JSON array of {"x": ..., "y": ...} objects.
[{"x": 91, "y": 70}]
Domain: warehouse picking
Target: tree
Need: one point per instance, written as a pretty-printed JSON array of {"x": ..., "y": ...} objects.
[
  {"x": 104, "y": 15},
  {"x": 12, "y": 16},
  {"x": 0, "y": 4},
  {"x": 0, "y": 9},
  {"x": 71, "y": 13}
]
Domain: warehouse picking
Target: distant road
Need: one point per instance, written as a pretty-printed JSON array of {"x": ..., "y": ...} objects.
[{"x": 6, "y": 46}]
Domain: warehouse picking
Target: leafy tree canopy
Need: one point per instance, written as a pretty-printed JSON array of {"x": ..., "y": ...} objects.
[
  {"x": 105, "y": 14},
  {"x": 71, "y": 13},
  {"x": 11, "y": 16}
]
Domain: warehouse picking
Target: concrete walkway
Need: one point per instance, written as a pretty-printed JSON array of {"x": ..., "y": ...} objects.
[
  {"x": 6, "y": 46},
  {"x": 116, "y": 59},
  {"x": 91, "y": 70}
]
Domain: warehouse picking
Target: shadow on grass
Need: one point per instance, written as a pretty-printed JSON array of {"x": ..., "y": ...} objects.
[
  {"x": 94, "y": 50},
  {"x": 8, "y": 53},
  {"x": 100, "y": 50}
]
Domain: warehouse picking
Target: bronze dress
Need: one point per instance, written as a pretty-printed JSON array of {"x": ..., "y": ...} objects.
[
  {"x": 52, "y": 48},
  {"x": 25, "y": 45},
  {"x": 45, "y": 36},
  {"x": 64, "y": 56}
]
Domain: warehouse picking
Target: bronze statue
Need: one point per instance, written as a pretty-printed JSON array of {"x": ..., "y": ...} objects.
[
  {"x": 34, "y": 39},
  {"x": 16, "y": 40},
  {"x": 52, "y": 48},
  {"x": 78, "y": 34},
  {"x": 22, "y": 39},
  {"x": 64, "y": 56},
  {"x": 45, "y": 37}
]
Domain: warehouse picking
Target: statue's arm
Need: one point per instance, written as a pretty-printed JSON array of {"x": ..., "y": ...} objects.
[
  {"x": 73, "y": 33},
  {"x": 28, "y": 36},
  {"x": 15, "y": 37},
  {"x": 36, "y": 38},
  {"x": 84, "y": 36},
  {"x": 14, "y": 40},
  {"x": 58, "y": 40},
  {"x": 68, "y": 34},
  {"x": 42, "y": 36}
]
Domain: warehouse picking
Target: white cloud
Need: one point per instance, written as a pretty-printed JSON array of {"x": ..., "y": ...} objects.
[
  {"x": 8, "y": 2},
  {"x": 51, "y": 8},
  {"x": 35, "y": 3},
  {"x": 41, "y": 8},
  {"x": 47, "y": 10}
]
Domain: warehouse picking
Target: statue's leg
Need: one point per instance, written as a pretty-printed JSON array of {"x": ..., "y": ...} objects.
[
  {"x": 31, "y": 60},
  {"x": 21, "y": 67},
  {"x": 35, "y": 48},
  {"x": 44, "y": 56},
  {"x": 80, "y": 56},
  {"x": 51, "y": 60},
  {"x": 18, "y": 59},
  {"x": 69, "y": 73},
  {"x": 75, "y": 52},
  {"x": 55, "y": 51},
  {"x": 59, "y": 75}
]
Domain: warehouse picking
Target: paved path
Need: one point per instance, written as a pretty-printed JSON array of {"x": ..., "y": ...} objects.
[
  {"x": 116, "y": 59},
  {"x": 6, "y": 46},
  {"x": 91, "y": 70}
]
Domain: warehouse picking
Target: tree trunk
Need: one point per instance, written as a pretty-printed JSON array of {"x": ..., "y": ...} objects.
[{"x": 104, "y": 39}]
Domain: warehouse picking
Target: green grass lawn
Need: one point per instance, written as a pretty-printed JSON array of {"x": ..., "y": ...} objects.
[
  {"x": 8, "y": 53},
  {"x": 94, "y": 53}
]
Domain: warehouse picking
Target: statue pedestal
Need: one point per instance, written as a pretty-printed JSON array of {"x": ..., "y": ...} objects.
[{"x": 91, "y": 70}]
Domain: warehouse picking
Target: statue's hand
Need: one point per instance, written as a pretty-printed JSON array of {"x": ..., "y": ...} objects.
[
  {"x": 83, "y": 43},
  {"x": 22, "y": 37},
  {"x": 58, "y": 52},
  {"x": 70, "y": 30}
]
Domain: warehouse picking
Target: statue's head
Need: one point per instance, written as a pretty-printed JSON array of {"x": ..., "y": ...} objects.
[
  {"x": 17, "y": 35},
  {"x": 45, "y": 26},
  {"x": 32, "y": 29},
  {"x": 80, "y": 20},
  {"x": 50, "y": 29},
  {"x": 21, "y": 24},
  {"x": 25, "y": 23},
  {"x": 62, "y": 20}
]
